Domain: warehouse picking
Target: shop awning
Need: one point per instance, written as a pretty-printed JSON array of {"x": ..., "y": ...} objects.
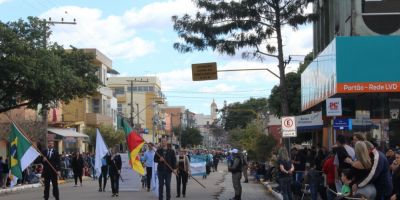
[{"x": 64, "y": 132}]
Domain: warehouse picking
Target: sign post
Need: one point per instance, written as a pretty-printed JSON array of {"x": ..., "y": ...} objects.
[
  {"x": 204, "y": 71},
  {"x": 289, "y": 127},
  {"x": 333, "y": 109}
]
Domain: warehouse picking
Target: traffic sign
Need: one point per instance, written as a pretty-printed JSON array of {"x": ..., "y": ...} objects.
[
  {"x": 289, "y": 127},
  {"x": 204, "y": 71}
]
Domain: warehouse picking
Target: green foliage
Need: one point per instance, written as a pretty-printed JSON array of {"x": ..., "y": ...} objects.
[
  {"x": 33, "y": 72},
  {"x": 191, "y": 137},
  {"x": 293, "y": 91},
  {"x": 240, "y": 114},
  {"x": 253, "y": 139},
  {"x": 110, "y": 135},
  {"x": 253, "y": 27}
]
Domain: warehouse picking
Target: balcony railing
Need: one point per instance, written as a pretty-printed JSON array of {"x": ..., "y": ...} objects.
[{"x": 98, "y": 119}]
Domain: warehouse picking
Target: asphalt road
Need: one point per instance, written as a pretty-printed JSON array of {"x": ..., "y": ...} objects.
[{"x": 218, "y": 186}]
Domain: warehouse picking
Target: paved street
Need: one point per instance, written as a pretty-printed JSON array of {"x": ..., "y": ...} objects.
[{"x": 218, "y": 186}]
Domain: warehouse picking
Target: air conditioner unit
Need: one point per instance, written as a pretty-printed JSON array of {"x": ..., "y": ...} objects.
[{"x": 376, "y": 17}]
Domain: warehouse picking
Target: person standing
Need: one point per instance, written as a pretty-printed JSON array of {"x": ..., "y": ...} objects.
[
  {"x": 165, "y": 157},
  {"x": 51, "y": 170},
  {"x": 77, "y": 168},
  {"x": 396, "y": 176},
  {"x": 1, "y": 171},
  {"x": 6, "y": 169},
  {"x": 148, "y": 158},
  {"x": 114, "y": 164},
  {"x": 183, "y": 172},
  {"x": 245, "y": 167},
  {"x": 235, "y": 167},
  {"x": 286, "y": 170},
  {"x": 104, "y": 173}
]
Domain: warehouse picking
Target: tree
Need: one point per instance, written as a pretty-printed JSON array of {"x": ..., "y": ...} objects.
[
  {"x": 253, "y": 25},
  {"x": 253, "y": 139},
  {"x": 33, "y": 72},
  {"x": 110, "y": 135},
  {"x": 293, "y": 91},
  {"x": 240, "y": 114},
  {"x": 191, "y": 137}
]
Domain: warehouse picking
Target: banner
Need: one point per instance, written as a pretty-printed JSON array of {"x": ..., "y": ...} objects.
[
  {"x": 198, "y": 165},
  {"x": 130, "y": 179},
  {"x": 154, "y": 180}
]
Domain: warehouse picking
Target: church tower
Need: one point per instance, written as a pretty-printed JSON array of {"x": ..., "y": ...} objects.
[{"x": 213, "y": 110}]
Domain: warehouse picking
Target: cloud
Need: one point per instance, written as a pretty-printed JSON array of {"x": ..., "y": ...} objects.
[
  {"x": 4, "y": 1},
  {"x": 158, "y": 15},
  {"x": 108, "y": 34},
  {"x": 221, "y": 87}
]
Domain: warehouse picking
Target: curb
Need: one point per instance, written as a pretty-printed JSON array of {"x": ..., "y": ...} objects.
[
  {"x": 274, "y": 193},
  {"x": 20, "y": 188}
]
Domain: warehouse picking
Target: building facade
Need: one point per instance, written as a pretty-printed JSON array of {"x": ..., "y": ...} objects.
[
  {"x": 356, "y": 57},
  {"x": 139, "y": 100}
]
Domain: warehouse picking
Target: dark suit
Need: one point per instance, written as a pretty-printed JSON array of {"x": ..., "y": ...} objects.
[
  {"x": 77, "y": 168},
  {"x": 115, "y": 165},
  {"x": 49, "y": 174},
  {"x": 164, "y": 172}
]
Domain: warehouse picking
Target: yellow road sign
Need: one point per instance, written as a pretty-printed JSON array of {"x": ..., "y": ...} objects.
[{"x": 204, "y": 71}]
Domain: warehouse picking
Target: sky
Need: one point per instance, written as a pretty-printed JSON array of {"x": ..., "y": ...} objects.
[{"x": 138, "y": 36}]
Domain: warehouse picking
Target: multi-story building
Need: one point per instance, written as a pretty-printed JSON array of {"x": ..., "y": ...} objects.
[
  {"x": 138, "y": 100},
  {"x": 356, "y": 50}
]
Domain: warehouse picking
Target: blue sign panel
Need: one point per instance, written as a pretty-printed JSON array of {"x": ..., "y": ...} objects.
[{"x": 342, "y": 124}]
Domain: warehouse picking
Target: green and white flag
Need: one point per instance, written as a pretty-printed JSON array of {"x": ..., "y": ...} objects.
[{"x": 22, "y": 154}]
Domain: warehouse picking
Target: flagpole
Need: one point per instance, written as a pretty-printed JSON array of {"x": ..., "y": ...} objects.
[
  {"x": 169, "y": 166},
  {"x": 34, "y": 146}
]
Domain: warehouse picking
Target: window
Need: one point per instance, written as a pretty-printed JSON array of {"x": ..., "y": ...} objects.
[
  {"x": 134, "y": 89},
  {"x": 140, "y": 88},
  {"x": 119, "y": 107},
  {"x": 151, "y": 88},
  {"x": 96, "y": 105},
  {"x": 119, "y": 90}
]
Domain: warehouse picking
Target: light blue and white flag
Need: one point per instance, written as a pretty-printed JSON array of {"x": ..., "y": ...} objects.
[{"x": 198, "y": 165}]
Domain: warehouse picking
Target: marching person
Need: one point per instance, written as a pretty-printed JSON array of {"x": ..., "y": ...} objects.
[
  {"x": 51, "y": 173},
  {"x": 104, "y": 173},
  {"x": 183, "y": 172},
  {"x": 77, "y": 168},
  {"x": 149, "y": 161},
  {"x": 115, "y": 164},
  {"x": 165, "y": 157},
  {"x": 235, "y": 167}
]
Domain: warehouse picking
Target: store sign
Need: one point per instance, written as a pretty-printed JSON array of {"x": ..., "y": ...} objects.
[
  {"x": 333, "y": 107},
  {"x": 289, "y": 127},
  {"x": 342, "y": 124},
  {"x": 368, "y": 87},
  {"x": 310, "y": 120}
]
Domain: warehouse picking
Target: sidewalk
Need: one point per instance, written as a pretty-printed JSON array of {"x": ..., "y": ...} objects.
[
  {"x": 19, "y": 188},
  {"x": 250, "y": 190}
]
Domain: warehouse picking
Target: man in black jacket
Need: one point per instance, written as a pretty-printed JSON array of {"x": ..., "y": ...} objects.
[
  {"x": 51, "y": 173},
  {"x": 166, "y": 159},
  {"x": 115, "y": 163}
]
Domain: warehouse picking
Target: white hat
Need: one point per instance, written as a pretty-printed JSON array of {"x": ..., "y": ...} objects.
[
  {"x": 244, "y": 151},
  {"x": 234, "y": 151}
]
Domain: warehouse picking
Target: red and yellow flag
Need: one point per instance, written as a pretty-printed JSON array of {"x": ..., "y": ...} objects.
[{"x": 135, "y": 144}]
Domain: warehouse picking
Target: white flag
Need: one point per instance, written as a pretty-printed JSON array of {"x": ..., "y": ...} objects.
[
  {"x": 154, "y": 180},
  {"x": 101, "y": 151}
]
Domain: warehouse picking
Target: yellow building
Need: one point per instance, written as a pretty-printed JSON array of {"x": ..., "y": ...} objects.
[
  {"x": 145, "y": 95},
  {"x": 98, "y": 109}
]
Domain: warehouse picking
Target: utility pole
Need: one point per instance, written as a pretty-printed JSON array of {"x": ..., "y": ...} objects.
[
  {"x": 45, "y": 111},
  {"x": 172, "y": 127},
  {"x": 180, "y": 130},
  {"x": 137, "y": 117},
  {"x": 131, "y": 104}
]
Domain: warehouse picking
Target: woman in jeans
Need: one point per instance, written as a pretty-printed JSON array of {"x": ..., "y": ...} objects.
[{"x": 286, "y": 170}]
